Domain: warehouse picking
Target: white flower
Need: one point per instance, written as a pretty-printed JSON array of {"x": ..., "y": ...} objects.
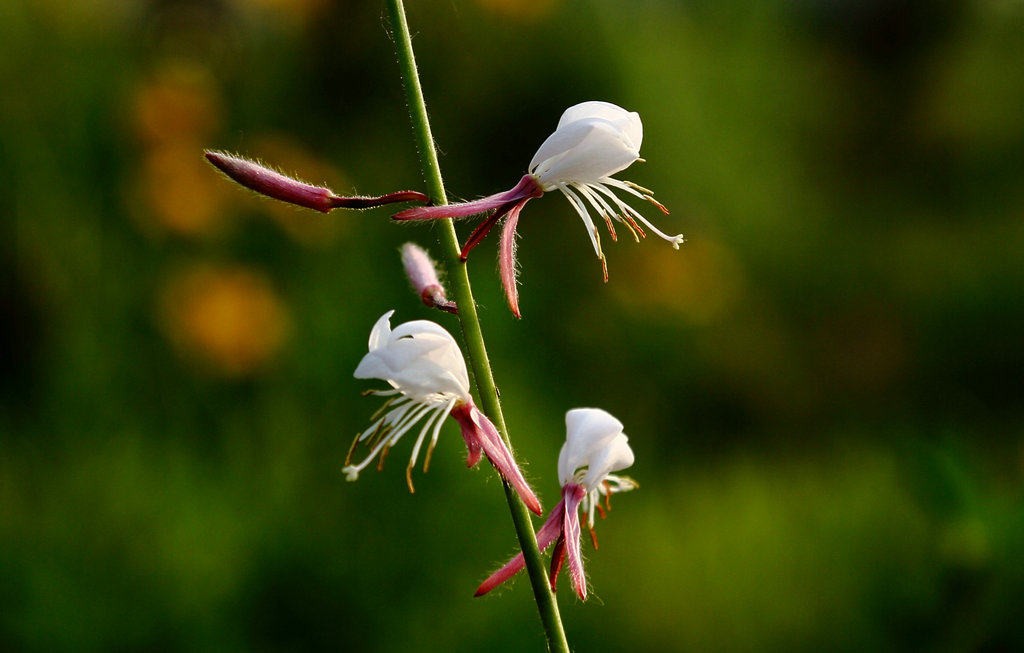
[
  {"x": 424, "y": 366},
  {"x": 593, "y": 141},
  {"x": 594, "y": 447},
  {"x": 420, "y": 359}
]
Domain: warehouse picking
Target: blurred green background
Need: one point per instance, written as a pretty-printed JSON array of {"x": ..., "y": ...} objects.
[{"x": 822, "y": 388}]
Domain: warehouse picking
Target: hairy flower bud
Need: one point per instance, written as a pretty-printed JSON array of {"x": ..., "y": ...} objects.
[
  {"x": 273, "y": 184},
  {"x": 422, "y": 273}
]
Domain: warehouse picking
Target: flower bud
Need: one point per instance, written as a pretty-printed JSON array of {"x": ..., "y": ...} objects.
[
  {"x": 422, "y": 274},
  {"x": 273, "y": 184}
]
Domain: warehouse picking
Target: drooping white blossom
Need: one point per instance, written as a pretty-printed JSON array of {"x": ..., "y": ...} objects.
[
  {"x": 595, "y": 446},
  {"x": 593, "y": 141},
  {"x": 424, "y": 366}
]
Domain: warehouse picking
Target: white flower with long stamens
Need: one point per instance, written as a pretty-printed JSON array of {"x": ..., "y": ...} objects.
[
  {"x": 593, "y": 141},
  {"x": 427, "y": 373},
  {"x": 595, "y": 446}
]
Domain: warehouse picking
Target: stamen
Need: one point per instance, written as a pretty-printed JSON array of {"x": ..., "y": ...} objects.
[
  {"x": 633, "y": 189},
  {"x": 437, "y": 418},
  {"x": 611, "y": 227},
  {"x": 352, "y": 471},
  {"x": 656, "y": 203},
  {"x": 628, "y": 213},
  {"x": 408, "y": 479},
  {"x": 638, "y": 187},
  {"x": 426, "y": 459},
  {"x": 351, "y": 450},
  {"x": 590, "y": 527},
  {"x": 634, "y": 227},
  {"x": 377, "y": 431},
  {"x": 437, "y": 432},
  {"x": 380, "y": 411},
  {"x": 581, "y": 209},
  {"x": 602, "y": 207},
  {"x": 383, "y": 455},
  {"x": 416, "y": 452},
  {"x": 386, "y": 432},
  {"x": 422, "y": 436}
]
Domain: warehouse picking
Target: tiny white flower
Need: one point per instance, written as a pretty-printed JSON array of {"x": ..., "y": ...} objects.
[
  {"x": 593, "y": 141},
  {"x": 424, "y": 366},
  {"x": 595, "y": 446}
]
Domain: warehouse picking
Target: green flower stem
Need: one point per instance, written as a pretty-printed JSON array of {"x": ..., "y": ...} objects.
[{"x": 458, "y": 278}]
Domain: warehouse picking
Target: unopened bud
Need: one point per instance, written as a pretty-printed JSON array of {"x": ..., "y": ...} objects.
[
  {"x": 273, "y": 184},
  {"x": 422, "y": 274}
]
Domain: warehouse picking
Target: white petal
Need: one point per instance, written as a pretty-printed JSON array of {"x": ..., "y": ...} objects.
[
  {"x": 588, "y": 431},
  {"x": 419, "y": 358},
  {"x": 419, "y": 327},
  {"x": 381, "y": 331},
  {"x": 628, "y": 122},
  {"x": 554, "y": 147},
  {"x": 612, "y": 457},
  {"x": 372, "y": 367},
  {"x": 583, "y": 151},
  {"x": 581, "y": 208}
]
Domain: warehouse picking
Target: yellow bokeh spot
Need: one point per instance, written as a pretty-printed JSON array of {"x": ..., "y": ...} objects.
[
  {"x": 175, "y": 110},
  {"x": 179, "y": 101},
  {"x": 182, "y": 194},
  {"x": 230, "y": 318}
]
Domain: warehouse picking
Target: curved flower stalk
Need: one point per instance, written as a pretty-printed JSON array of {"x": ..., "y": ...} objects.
[
  {"x": 593, "y": 141},
  {"x": 273, "y": 184},
  {"x": 427, "y": 373},
  {"x": 594, "y": 447}
]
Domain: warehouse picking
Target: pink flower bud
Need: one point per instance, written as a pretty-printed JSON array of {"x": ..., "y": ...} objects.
[
  {"x": 273, "y": 184},
  {"x": 422, "y": 274}
]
